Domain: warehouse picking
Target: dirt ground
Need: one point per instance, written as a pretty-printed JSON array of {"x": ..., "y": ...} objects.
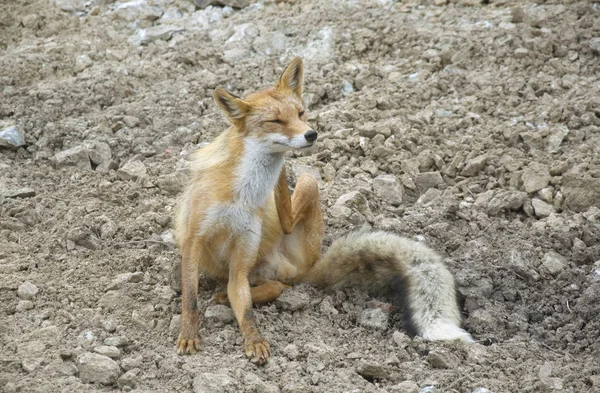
[{"x": 486, "y": 116}]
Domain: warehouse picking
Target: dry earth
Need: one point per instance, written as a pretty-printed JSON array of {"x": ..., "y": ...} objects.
[{"x": 473, "y": 127}]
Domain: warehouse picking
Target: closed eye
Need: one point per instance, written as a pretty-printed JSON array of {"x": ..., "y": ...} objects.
[
  {"x": 276, "y": 121},
  {"x": 301, "y": 114}
]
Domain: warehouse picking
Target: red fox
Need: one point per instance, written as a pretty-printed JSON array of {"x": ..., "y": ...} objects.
[{"x": 237, "y": 222}]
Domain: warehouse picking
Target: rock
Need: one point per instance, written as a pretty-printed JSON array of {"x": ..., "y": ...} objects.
[
  {"x": 133, "y": 169},
  {"x": 553, "y": 262},
  {"x": 404, "y": 387},
  {"x": 83, "y": 237},
  {"x": 555, "y": 139},
  {"x": 137, "y": 10},
  {"x": 27, "y": 291},
  {"x": 109, "y": 325},
  {"x": 82, "y": 62},
  {"x": 25, "y": 192},
  {"x": 558, "y": 168},
  {"x": 541, "y": 208},
  {"x": 160, "y": 32},
  {"x": 24, "y": 305},
  {"x": 130, "y": 378},
  {"x": 293, "y": 300},
  {"x": 98, "y": 152},
  {"x": 371, "y": 370},
  {"x": 124, "y": 278},
  {"x": 76, "y": 156},
  {"x": 374, "y": 318},
  {"x": 270, "y": 44},
  {"x": 427, "y": 180},
  {"x": 175, "y": 324},
  {"x": 522, "y": 266},
  {"x": 388, "y": 189},
  {"x": 580, "y": 192},
  {"x": 116, "y": 341},
  {"x": 172, "y": 183},
  {"x": 131, "y": 121},
  {"x": 231, "y": 3},
  {"x": 546, "y": 194},
  {"x": 109, "y": 351},
  {"x": 595, "y": 45},
  {"x": 429, "y": 196},
  {"x": 521, "y": 53},
  {"x": 535, "y": 177},
  {"x": 95, "y": 368},
  {"x": 442, "y": 359},
  {"x": 171, "y": 15},
  {"x": 474, "y": 166},
  {"x": 291, "y": 351},
  {"x": 30, "y": 365},
  {"x": 132, "y": 362},
  {"x": 353, "y": 200},
  {"x": 71, "y": 5},
  {"x": 506, "y": 200},
  {"x": 213, "y": 383},
  {"x": 12, "y": 137},
  {"x": 517, "y": 15},
  {"x": 219, "y": 313}
]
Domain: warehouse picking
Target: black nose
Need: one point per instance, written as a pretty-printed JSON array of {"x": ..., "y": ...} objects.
[{"x": 311, "y": 136}]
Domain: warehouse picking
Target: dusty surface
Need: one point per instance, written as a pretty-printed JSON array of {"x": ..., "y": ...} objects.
[{"x": 487, "y": 118}]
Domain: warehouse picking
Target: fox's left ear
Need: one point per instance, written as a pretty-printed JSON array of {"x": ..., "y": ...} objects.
[
  {"x": 292, "y": 78},
  {"x": 234, "y": 107}
]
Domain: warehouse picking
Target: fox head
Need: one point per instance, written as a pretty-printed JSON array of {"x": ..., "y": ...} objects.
[{"x": 274, "y": 116}]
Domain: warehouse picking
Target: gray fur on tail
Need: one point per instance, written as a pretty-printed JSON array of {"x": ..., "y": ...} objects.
[{"x": 384, "y": 263}]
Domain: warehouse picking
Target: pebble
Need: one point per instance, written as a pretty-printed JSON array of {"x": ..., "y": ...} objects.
[
  {"x": 27, "y": 291},
  {"x": 292, "y": 300},
  {"x": 371, "y": 370},
  {"x": 521, "y": 53},
  {"x": 24, "y": 192},
  {"x": 116, "y": 341},
  {"x": 159, "y": 32},
  {"x": 580, "y": 192},
  {"x": 109, "y": 351},
  {"x": 82, "y": 62},
  {"x": 541, "y": 208},
  {"x": 96, "y": 368},
  {"x": 475, "y": 165},
  {"x": 506, "y": 200},
  {"x": 219, "y": 313},
  {"x": 404, "y": 387},
  {"x": 76, "y": 156},
  {"x": 132, "y": 362},
  {"x": 12, "y": 137},
  {"x": 109, "y": 325},
  {"x": 133, "y": 169},
  {"x": 353, "y": 200},
  {"x": 535, "y": 177},
  {"x": 98, "y": 152},
  {"x": 554, "y": 262},
  {"x": 30, "y": 365},
  {"x": 427, "y": 180},
  {"x": 388, "y": 189},
  {"x": 442, "y": 359},
  {"x": 130, "y": 378},
  {"x": 24, "y": 305},
  {"x": 175, "y": 324},
  {"x": 213, "y": 383},
  {"x": 231, "y": 3},
  {"x": 374, "y": 318},
  {"x": 291, "y": 351}
]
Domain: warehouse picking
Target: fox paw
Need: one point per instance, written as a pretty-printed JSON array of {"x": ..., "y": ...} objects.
[
  {"x": 188, "y": 346},
  {"x": 257, "y": 350}
]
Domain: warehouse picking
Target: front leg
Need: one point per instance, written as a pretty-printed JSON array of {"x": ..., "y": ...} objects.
[
  {"x": 188, "y": 341},
  {"x": 238, "y": 291}
]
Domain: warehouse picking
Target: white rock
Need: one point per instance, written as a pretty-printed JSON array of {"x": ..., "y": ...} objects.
[
  {"x": 27, "y": 291},
  {"x": 12, "y": 137},
  {"x": 554, "y": 262},
  {"x": 388, "y": 189},
  {"x": 109, "y": 351},
  {"x": 82, "y": 62},
  {"x": 95, "y": 368}
]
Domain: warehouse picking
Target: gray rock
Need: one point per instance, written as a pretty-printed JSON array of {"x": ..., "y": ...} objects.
[
  {"x": 132, "y": 362},
  {"x": 27, "y": 291},
  {"x": 175, "y": 324},
  {"x": 374, "y": 318},
  {"x": 82, "y": 62},
  {"x": 535, "y": 177},
  {"x": 541, "y": 208},
  {"x": 124, "y": 278},
  {"x": 388, "y": 189},
  {"x": 71, "y": 5},
  {"x": 270, "y": 44},
  {"x": 522, "y": 267},
  {"x": 595, "y": 45},
  {"x": 427, "y": 180},
  {"x": 580, "y": 192},
  {"x": 293, "y": 300},
  {"x": 109, "y": 351},
  {"x": 83, "y": 237},
  {"x": 219, "y": 313},
  {"x": 137, "y": 10},
  {"x": 474, "y": 166},
  {"x": 553, "y": 262},
  {"x": 171, "y": 15},
  {"x": 521, "y": 53},
  {"x": 76, "y": 156},
  {"x": 371, "y": 370},
  {"x": 24, "y": 305},
  {"x": 213, "y": 383},
  {"x": 506, "y": 200},
  {"x": 130, "y": 378},
  {"x": 291, "y": 351},
  {"x": 95, "y": 368},
  {"x": 12, "y": 137},
  {"x": 109, "y": 325},
  {"x": 231, "y": 3},
  {"x": 555, "y": 139},
  {"x": 133, "y": 169},
  {"x": 98, "y": 152},
  {"x": 429, "y": 196},
  {"x": 404, "y": 387},
  {"x": 160, "y": 32},
  {"x": 172, "y": 183},
  {"x": 30, "y": 365},
  {"x": 353, "y": 200},
  {"x": 24, "y": 192},
  {"x": 442, "y": 359},
  {"x": 116, "y": 341}
]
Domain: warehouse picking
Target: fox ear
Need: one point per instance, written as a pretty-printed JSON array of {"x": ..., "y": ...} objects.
[
  {"x": 234, "y": 107},
  {"x": 292, "y": 78}
]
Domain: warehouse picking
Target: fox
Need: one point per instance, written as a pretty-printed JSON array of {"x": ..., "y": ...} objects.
[{"x": 238, "y": 222}]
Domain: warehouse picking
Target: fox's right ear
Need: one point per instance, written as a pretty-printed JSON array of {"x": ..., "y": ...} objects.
[
  {"x": 234, "y": 107},
  {"x": 292, "y": 78}
]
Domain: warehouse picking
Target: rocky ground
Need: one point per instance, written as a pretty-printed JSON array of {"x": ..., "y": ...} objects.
[{"x": 472, "y": 127}]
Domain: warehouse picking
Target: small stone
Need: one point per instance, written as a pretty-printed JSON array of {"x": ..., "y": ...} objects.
[
  {"x": 521, "y": 53},
  {"x": 12, "y": 137},
  {"x": 107, "y": 350},
  {"x": 517, "y": 15},
  {"x": 172, "y": 183},
  {"x": 291, "y": 351},
  {"x": 404, "y": 387},
  {"x": 213, "y": 383},
  {"x": 82, "y": 62},
  {"x": 293, "y": 300},
  {"x": 558, "y": 168},
  {"x": 116, "y": 341},
  {"x": 371, "y": 370},
  {"x": 474, "y": 166},
  {"x": 98, "y": 152},
  {"x": 24, "y": 192},
  {"x": 535, "y": 177},
  {"x": 506, "y": 200},
  {"x": 132, "y": 170},
  {"x": 353, "y": 200},
  {"x": 109, "y": 325},
  {"x": 388, "y": 189},
  {"x": 442, "y": 359},
  {"x": 95, "y": 368},
  {"x": 27, "y": 291},
  {"x": 24, "y": 305},
  {"x": 160, "y": 32},
  {"x": 130, "y": 378},
  {"x": 131, "y": 121},
  {"x": 546, "y": 194},
  {"x": 137, "y": 10},
  {"x": 71, "y": 5},
  {"x": 231, "y": 3},
  {"x": 76, "y": 156},
  {"x": 429, "y": 196},
  {"x": 219, "y": 313},
  {"x": 580, "y": 192},
  {"x": 175, "y": 324},
  {"x": 427, "y": 180},
  {"x": 554, "y": 262},
  {"x": 132, "y": 362},
  {"x": 541, "y": 208},
  {"x": 374, "y": 318},
  {"x": 595, "y": 45},
  {"x": 30, "y": 365},
  {"x": 555, "y": 139},
  {"x": 270, "y": 44}
]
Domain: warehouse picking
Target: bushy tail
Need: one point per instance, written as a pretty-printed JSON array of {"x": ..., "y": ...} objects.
[{"x": 387, "y": 264}]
